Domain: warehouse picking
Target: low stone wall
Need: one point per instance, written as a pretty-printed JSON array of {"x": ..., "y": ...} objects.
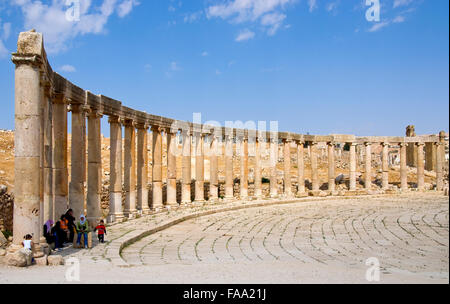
[{"x": 6, "y": 209}]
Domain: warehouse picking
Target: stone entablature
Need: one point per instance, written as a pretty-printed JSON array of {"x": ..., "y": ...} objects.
[{"x": 43, "y": 99}]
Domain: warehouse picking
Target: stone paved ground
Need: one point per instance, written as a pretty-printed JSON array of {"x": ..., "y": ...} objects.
[{"x": 319, "y": 241}]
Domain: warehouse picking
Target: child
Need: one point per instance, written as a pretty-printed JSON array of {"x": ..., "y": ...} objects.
[
  {"x": 83, "y": 229},
  {"x": 101, "y": 231},
  {"x": 27, "y": 248}
]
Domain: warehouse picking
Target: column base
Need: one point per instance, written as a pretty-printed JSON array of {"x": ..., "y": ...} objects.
[
  {"x": 115, "y": 218},
  {"x": 301, "y": 194}
]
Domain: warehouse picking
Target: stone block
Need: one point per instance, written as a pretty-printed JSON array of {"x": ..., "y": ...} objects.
[
  {"x": 41, "y": 261},
  {"x": 55, "y": 260}
]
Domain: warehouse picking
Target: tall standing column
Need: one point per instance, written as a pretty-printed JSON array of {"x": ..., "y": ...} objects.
[
  {"x": 244, "y": 169},
  {"x": 94, "y": 188},
  {"x": 440, "y": 160},
  {"x": 301, "y": 168},
  {"x": 186, "y": 168},
  {"x": 142, "y": 169},
  {"x": 115, "y": 182},
  {"x": 27, "y": 140},
  {"x": 273, "y": 167},
  {"x": 78, "y": 160},
  {"x": 352, "y": 166},
  {"x": 287, "y": 169},
  {"x": 229, "y": 191},
  {"x": 420, "y": 167},
  {"x": 368, "y": 167},
  {"x": 199, "y": 169},
  {"x": 213, "y": 171},
  {"x": 171, "y": 169},
  {"x": 314, "y": 168},
  {"x": 403, "y": 167},
  {"x": 49, "y": 213},
  {"x": 129, "y": 182},
  {"x": 331, "y": 168},
  {"x": 60, "y": 161},
  {"x": 385, "y": 166},
  {"x": 157, "y": 168},
  {"x": 258, "y": 177},
  {"x": 430, "y": 156}
]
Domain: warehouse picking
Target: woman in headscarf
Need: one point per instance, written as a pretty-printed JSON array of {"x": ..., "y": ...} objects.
[
  {"x": 48, "y": 232},
  {"x": 82, "y": 229}
]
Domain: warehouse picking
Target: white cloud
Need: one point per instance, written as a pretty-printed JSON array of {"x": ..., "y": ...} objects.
[
  {"x": 3, "y": 50},
  {"x": 68, "y": 68},
  {"x": 312, "y": 5},
  {"x": 269, "y": 13},
  {"x": 245, "y": 35},
  {"x": 332, "y": 6},
  {"x": 398, "y": 3},
  {"x": 192, "y": 17},
  {"x": 218, "y": 72},
  {"x": 5, "y": 31},
  {"x": 205, "y": 54},
  {"x": 378, "y": 26},
  {"x": 399, "y": 19},
  {"x": 58, "y": 30}
]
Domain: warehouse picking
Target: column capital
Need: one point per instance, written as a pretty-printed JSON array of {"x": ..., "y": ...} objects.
[
  {"x": 115, "y": 119},
  {"x": 313, "y": 143},
  {"x": 367, "y": 144},
  {"x": 331, "y": 143},
  {"x": 78, "y": 108},
  {"x": 384, "y": 144},
  {"x": 156, "y": 128},
  {"x": 94, "y": 113},
  {"x": 420, "y": 144},
  {"x": 127, "y": 122},
  {"x": 300, "y": 142},
  {"x": 142, "y": 126},
  {"x": 402, "y": 144},
  {"x": 353, "y": 144},
  {"x": 22, "y": 59}
]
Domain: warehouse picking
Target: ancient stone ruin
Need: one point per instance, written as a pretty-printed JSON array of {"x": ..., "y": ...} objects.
[{"x": 43, "y": 99}]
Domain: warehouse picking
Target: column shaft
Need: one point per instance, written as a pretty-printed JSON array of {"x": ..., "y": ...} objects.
[
  {"x": 60, "y": 159},
  {"x": 27, "y": 151},
  {"x": 301, "y": 168},
  {"x": 171, "y": 169},
  {"x": 258, "y": 177},
  {"x": 199, "y": 169},
  {"x": 244, "y": 169},
  {"x": 78, "y": 160},
  {"x": 314, "y": 168},
  {"x": 130, "y": 169},
  {"x": 186, "y": 169},
  {"x": 49, "y": 212},
  {"x": 115, "y": 182},
  {"x": 157, "y": 169},
  {"x": 420, "y": 167},
  {"x": 94, "y": 188},
  {"x": 142, "y": 169},
  {"x": 352, "y": 166},
  {"x": 214, "y": 172},
  {"x": 385, "y": 166},
  {"x": 368, "y": 167},
  {"x": 403, "y": 168},
  {"x": 229, "y": 191},
  {"x": 273, "y": 167},
  {"x": 439, "y": 166},
  {"x": 331, "y": 168},
  {"x": 287, "y": 169}
]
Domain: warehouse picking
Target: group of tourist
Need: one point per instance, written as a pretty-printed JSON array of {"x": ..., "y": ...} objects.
[{"x": 64, "y": 230}]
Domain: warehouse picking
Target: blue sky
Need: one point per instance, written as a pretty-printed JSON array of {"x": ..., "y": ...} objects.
[{"x": 315, "y": 66}]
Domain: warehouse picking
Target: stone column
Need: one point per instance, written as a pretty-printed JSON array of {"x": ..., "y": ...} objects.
[
  {"x": 368, "y": 167},
  {"x": 186, "y": 168},
  {"x": 273, "y": 167},
  {"x": 229, "y": 191},
  {"x": 314, "y": 168},
  {"x": 60, "y": 171},
  {"x": 244, "y": 169},
  {"x": 157, "y": 168},
  {"x": 430, "y": 156},
  {"x": 301, "y": 168},
  {"x": 331, "y": 168},
  {"x": 27, "y": 185},
  {"x": 385, "y": 166},
  {"x": 352, "y": 166},
  {"x": 440, "y": 161},
  {"x": 49, "y": 213},
  {"x": 258, "y": 177},
  {"x": 420, "y": 167},
  {"x": 115, "y": 182},
  {"x": 129, "y": 182},
  {"x": 287, "y": 169},
  {"x": 403, "y": 167},
  {"x": 199, "y": 169},
  {"x": 94, "y": 188},
  {"x": 78, "y": 160},
  {"x": 171, "y": 169},
  {"x": 213, "y": 171},
  {"x": 142, "y": 169}
]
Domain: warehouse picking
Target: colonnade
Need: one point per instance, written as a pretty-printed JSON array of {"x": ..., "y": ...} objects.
[{"x": 42, "y": 189}]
